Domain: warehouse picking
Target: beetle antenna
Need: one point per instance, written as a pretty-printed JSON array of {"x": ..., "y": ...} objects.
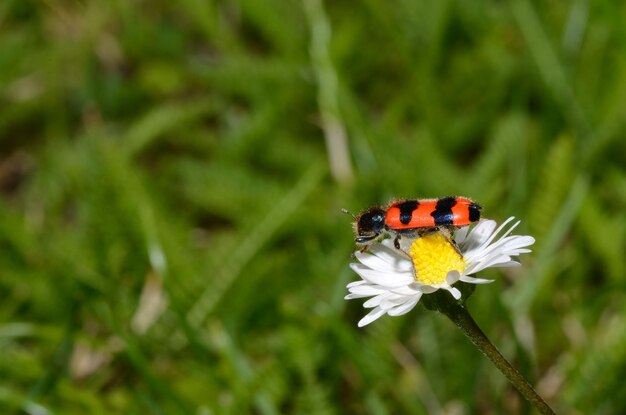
[{"x": 346, "y": 211}]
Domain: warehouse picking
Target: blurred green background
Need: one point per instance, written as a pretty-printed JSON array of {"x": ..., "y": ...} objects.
[{"x": 172, "y": 174}]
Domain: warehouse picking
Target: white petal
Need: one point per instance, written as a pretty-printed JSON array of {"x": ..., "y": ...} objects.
[
  {"x": 493, "y": 260},
  {"x": 461, "y": 234},
  {"x": 387, "y": 279},
  {"x": 483, "y": 229},
  {"x": 367, "y": 290},
  {"x": 406, "y": 307},
  {"x": 498, "y": 253},
  {"x": 510, "y": 264},
  {"x": 393, "y": 300},
  {"x": 386, "y": 300},
  {"x": 388, "y": 243},
  {"x": 471, "y": 268},
  {"x": 356, "y": 283},
  {"x": 516, "y": 252},
  {"x": 452, "y": 277},
  {"x": 473, "y": 280},
  {"x": 428, "y": 289},
  {"x": 516, "y": 242},
  {"x": 383, "y": 262},
  {"x": 374, "y": 301},
  {"x": 485, "y": 263},
  {"x": 353, "y": 296},
  {"x": 410, "y": 289},
  {"x": 371, "y": 316},
  {"x": 503, "y": 225},
  {"x": 479, "y": 234},
  {"x": 364, "y": 291},
  {"x": 482, "y": 238},
  {"x": 390, "y": 255},
  {"x": 455, "y": 293}
]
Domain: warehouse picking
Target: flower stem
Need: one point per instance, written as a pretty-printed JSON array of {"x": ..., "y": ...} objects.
[{"x": 462, "y": 318}]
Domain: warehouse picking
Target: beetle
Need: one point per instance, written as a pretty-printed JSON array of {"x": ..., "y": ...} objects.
[{"x": 414, "y": 217}]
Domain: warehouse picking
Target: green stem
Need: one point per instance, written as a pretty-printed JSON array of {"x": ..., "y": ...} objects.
[{"x": 462, "y": 318}]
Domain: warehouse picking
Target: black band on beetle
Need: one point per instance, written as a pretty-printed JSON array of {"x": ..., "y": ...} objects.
[
  {"x": 443, "y": 211},
  {"x": 406, "y": 210}
]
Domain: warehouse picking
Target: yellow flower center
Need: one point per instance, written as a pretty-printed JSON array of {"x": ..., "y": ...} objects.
[{"x": 433, "y": 257}]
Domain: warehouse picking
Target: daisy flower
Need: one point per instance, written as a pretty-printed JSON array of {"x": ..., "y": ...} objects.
[{"x": 396, "y": 279}]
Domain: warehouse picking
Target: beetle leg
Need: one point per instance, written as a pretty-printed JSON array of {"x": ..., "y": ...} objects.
[
  {"x": 446, "y": 232},
  {"x": 396, "y": 241}
]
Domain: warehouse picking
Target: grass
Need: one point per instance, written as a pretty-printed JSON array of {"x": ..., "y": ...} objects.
[{"x": 172, "y": 174}]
